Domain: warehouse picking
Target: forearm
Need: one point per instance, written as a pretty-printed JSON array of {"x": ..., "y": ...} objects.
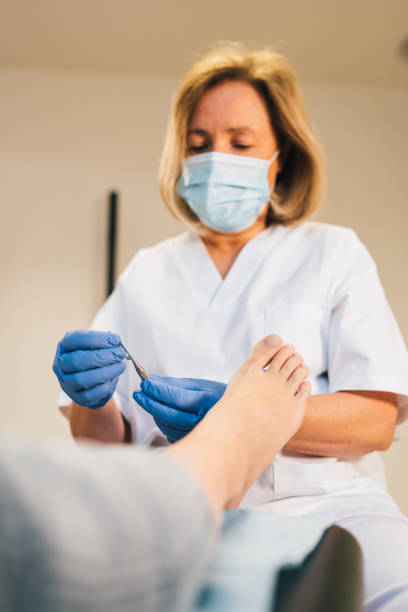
[
  {"x": 346, "y": 424},
  {"x": 105, "y": 424}
]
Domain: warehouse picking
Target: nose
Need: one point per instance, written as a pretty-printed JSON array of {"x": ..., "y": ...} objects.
[{"x": 221, "y": 144}]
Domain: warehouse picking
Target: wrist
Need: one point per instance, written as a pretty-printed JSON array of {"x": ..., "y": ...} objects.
[{"x": 105, "y": 424}]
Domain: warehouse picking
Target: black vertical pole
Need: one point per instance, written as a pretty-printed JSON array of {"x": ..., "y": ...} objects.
[{"x": 112, "y": 230}]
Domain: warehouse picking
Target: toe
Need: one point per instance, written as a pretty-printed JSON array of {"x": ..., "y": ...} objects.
[
  {"x": 298, "y": 376},
  {"x": 281, "y": 356},
  {"x": 264, "y": 351},
  {"x": 304, "y": 389},
  {"x": 291, "y": 364}
]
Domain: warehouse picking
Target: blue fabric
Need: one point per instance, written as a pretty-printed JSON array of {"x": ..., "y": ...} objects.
[
  {"x": 88, "y": 365},
  {"x": 178, "y": 404},
  {"x": 252, "y": 548}
]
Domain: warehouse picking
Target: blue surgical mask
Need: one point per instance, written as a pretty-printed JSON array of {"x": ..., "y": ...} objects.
[{"x": 226, "y": 192}]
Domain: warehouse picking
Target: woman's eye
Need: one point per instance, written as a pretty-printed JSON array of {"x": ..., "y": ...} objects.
[
  {"x": 238, "y": 145},
  {"x": 197, "y": 148}
]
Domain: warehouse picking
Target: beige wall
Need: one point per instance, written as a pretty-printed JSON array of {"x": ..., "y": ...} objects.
[{"x": 67, "y": 139}]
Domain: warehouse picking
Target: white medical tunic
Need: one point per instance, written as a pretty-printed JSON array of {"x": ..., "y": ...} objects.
[
  {"x": 317, "y": 286},
  {"x": 314, "y": 284}
]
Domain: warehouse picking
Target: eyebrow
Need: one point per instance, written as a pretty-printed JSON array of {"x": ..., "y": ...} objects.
[{"x": 231, "y": 130}]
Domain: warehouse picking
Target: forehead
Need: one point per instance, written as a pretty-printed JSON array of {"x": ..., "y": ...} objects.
[{"x": 231, "y": 102}]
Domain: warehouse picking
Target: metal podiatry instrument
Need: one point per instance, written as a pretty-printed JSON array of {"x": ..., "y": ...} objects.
[{"x": 139, "y": 368}]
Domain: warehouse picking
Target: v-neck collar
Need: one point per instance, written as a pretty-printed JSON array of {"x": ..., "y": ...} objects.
[
  {"x": 206, "y": 282},
  {"x": 241, "y": 254}
]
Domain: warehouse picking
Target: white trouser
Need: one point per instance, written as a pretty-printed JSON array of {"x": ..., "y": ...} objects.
[
  {"x": 384, "y": 543},
  {"x": 365, "y": 509}
]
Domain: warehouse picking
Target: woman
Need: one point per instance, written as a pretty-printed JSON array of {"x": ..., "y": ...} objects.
[{"x": 242, "y": 169}]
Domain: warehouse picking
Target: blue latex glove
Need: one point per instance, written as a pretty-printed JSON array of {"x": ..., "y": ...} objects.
[
  {"x": 88, "y": 365},
  {"x": 178, "y": 404}
]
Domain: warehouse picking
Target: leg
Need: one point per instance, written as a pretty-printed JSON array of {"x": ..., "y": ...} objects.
[{"x": 99, "y": 528}]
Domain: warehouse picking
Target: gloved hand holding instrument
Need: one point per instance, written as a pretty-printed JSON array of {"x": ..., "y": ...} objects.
[{"x": 88, "y": 365}]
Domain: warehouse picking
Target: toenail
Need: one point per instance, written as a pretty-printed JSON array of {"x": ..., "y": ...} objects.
[{"x": 272, "y": 341}]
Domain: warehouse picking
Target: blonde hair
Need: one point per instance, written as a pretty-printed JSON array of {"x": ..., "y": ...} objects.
[{"x": 301, "y": 184}]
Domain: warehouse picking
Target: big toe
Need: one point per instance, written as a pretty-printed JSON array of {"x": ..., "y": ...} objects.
[{"x": 264, "y": 351}]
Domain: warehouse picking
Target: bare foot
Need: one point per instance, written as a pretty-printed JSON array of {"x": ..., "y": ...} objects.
[
  {"x": 261, "y": 410},
  {"x": 270, "y": 385},
  {"x": 265, "y": 402}
]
